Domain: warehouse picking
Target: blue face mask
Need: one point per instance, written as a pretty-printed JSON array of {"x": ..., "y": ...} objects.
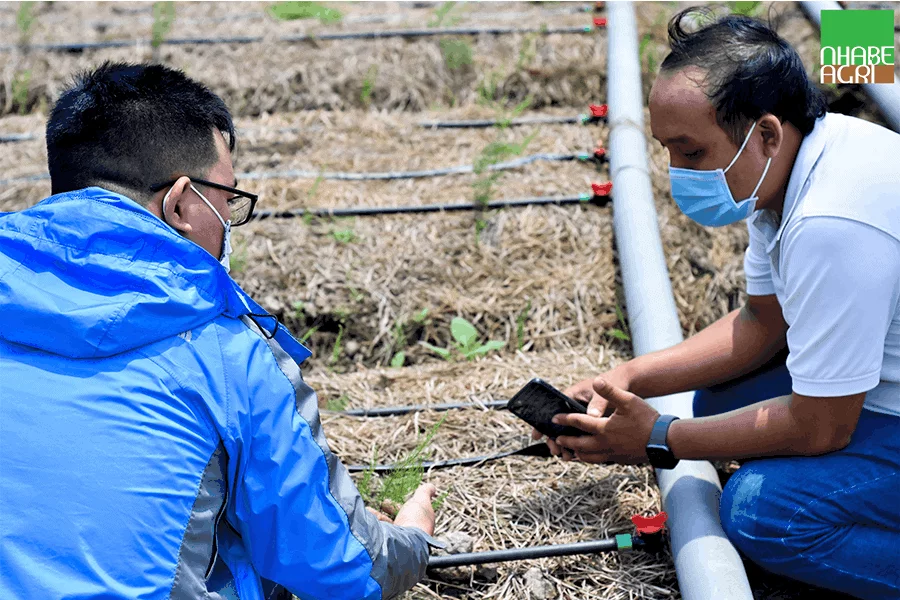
[{"x": 705, "y": 197}]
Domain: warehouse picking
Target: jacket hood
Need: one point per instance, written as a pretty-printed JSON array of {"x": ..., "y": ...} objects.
[{"x": 91, "y": 273}]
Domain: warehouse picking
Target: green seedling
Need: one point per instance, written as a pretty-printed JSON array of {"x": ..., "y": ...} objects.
[
  {"x": 312, "y": 192},
  {"x": 620, "y": 334},
  {"x": 20, "y": 85},
  {"x": 517, "y": 110},
  {"x": 483, "y": 185},
  {"x": 290, "y": 11},
  {"x": 365, "y": 96},
  {"x": 308, "y": 217},
  {"x": 419, "y": 318},
  {"x": 163, "y": 18},
  {"x": 437, "y": 19},
  {"x": 527, "y": 52},
  {"x": 308, "y": 334},
  {"x": 465, "y": 342},
  {"x": 397, "y": 485},
  {"x": 336, "y": 350},
  {"x": 457, "y": 53},
  {"x": 747, "y": 9},
  {"x": 238, "y": 259},
  {"x": 398, "y": 360},
  {"x": 356, "y": 295},
  {"x": 439, "y": 501},
  {"x": 520, "y": 325},
  {"x": 366, "y": 480},
  {"x": 337, "y": 404},
  {"x": 298, "y": 309},
  {"x": 487, "y": 89},
  {"x": 24, "y": 21},
  {"x": 344, "y": 236},
  {"x": 647, "y": 53}
]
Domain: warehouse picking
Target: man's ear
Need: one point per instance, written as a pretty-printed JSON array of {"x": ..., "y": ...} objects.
[
  {"x": 772, "y": 134},
  {"x": 173, "y": 206}
]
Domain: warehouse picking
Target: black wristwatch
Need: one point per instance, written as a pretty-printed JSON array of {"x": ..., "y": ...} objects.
[{"x": 658, "y": 450}]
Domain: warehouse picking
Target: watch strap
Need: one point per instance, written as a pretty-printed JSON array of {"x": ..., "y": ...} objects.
[{"x": 661, "y": 429}]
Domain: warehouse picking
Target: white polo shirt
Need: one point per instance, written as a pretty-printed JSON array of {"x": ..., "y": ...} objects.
[{"x": 833, "y": 262}]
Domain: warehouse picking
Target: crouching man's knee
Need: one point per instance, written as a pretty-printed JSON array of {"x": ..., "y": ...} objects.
[
  {"x": 764, "y": 523},
  {"x": 755, "y": 521}
]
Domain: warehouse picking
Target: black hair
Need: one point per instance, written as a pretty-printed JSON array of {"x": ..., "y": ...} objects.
[
  {"x": 129, "y": 126},
  {"x": 749, "y": 70}
]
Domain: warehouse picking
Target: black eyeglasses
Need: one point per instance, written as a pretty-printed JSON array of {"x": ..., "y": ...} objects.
[{"x": 241, "y": 204}]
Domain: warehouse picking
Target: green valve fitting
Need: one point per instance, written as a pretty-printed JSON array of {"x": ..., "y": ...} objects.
[
  {"x": 584, "y": 156},
  {"x": 588, "y": 28},
  {"x": 586, "y": 198},
  {"x": 624, "y": 541},
  {"x": 584, "y": 118}
]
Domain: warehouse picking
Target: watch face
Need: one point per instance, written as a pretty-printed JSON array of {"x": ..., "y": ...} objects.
[{"x": 661, "y": 457}]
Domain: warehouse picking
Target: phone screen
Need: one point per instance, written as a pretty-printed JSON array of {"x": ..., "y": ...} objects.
[{"x": 538, "y": 402}]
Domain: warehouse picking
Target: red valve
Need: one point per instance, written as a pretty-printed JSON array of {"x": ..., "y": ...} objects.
[
  {"x": 599, "y": 151},
  {"x": 599, "y": 21},
  {"x": 648, "y": 525},
  {"x": 599, "y": 110},
  {"x": 602, "y": 189}
]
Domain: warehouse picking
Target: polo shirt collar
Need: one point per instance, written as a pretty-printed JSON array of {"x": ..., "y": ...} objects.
[{"x": 811, "y": 149}]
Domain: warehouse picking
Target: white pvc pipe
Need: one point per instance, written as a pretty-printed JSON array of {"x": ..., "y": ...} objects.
[
  {"x": 707, "y": 565},
  {"x": 885, "y": 95}
]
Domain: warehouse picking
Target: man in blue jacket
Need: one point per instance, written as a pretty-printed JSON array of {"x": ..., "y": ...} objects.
[{"x": 157, "y": 440}]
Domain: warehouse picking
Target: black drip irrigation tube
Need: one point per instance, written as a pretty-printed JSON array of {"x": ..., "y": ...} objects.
[
  {"x": 367, "y": 211},
  {"x": 16, "y": 137},
  {"x": 598, "y": 114},
  {"x": 621, "y": 543},
  {"x": 599, "y": 156},
  {"x": 393, "y": 175},
  {"x": 306, "y": 37},
  {"x": 393, "y": 411},
  {"x": 541, "y": 450}
]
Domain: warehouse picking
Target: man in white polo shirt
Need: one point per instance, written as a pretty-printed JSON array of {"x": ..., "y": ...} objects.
[{"x": 748, "y": 136}]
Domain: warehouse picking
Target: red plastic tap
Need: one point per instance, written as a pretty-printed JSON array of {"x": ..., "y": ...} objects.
[
  {"x": 602, "y": 189},
  {"x": 648, "y": 525},
  {"x": 599, "y": 21},
  {"x": 599, "y": 110}
]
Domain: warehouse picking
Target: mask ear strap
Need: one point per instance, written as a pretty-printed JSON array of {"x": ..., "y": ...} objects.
[
  {"x": 165, "y": 199},
  {"x": 766, "y": 170},
  {"x": 209, "y": 204},
  {"x": 744, "y": 145}
]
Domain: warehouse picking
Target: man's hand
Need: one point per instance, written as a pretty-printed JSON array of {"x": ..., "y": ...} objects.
[
  {"x": 621, "y": 438},
  {"x": 598, "y": 406},
  {"x": 418, "y": 512}
]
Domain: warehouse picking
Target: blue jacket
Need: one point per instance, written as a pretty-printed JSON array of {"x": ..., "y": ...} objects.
[{"x": 156, "y": 440}]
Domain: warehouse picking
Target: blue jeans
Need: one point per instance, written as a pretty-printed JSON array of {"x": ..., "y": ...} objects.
[{"x": 832, "y": 520}]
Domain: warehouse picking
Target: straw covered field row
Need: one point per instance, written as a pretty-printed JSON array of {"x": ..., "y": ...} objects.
[{"x": 363, "y": 291}]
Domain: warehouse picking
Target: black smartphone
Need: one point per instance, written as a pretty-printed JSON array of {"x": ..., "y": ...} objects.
[{"x": 538, "y": 402}]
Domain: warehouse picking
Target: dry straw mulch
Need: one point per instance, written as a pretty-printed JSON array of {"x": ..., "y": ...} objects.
[
  {"x": 405, "y": 74},
  {"x": 511, "y": 502}
]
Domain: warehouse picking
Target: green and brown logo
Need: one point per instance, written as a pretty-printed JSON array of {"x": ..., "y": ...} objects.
[{"x": 857, "y": 46}]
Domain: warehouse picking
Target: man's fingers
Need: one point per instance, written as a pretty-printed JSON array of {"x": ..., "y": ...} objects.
[
  {"x": 588, "y": 423},
  {"x": 380, "y": 515},
  {"x": 536, "y": 435},
  {"x": 426, "y": 492},
  {"x": 617, "y": 397},
  {"x": 584, "y": 443},
  {"x": 554, "y": 448}
]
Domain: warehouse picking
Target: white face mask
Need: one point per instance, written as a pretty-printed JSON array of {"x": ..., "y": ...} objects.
[{"x": 224, "y": 259}]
